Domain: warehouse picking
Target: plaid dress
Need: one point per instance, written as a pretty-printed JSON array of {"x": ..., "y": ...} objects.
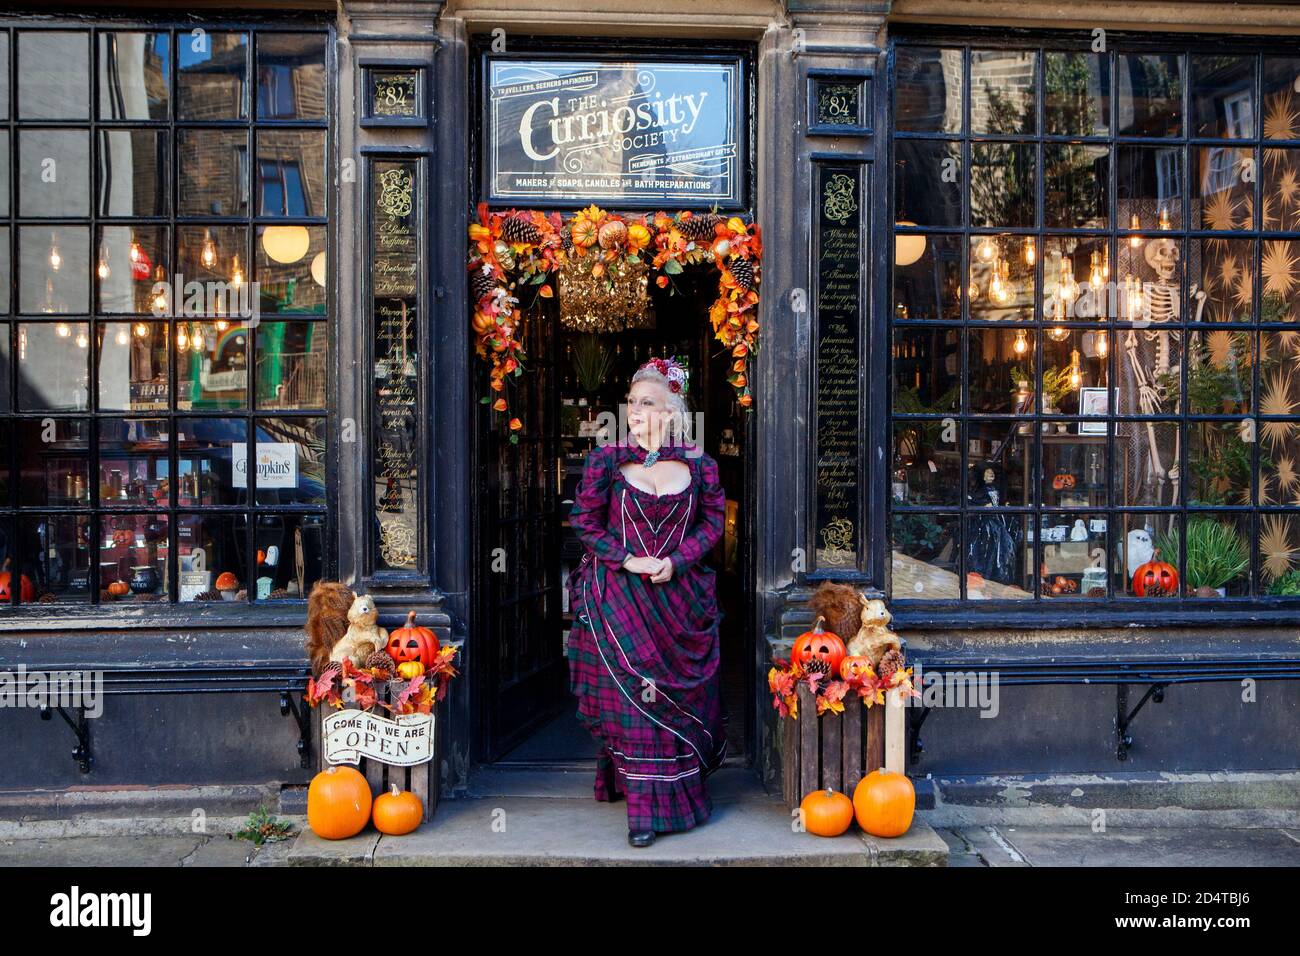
[{"x": 643, "y": 657}]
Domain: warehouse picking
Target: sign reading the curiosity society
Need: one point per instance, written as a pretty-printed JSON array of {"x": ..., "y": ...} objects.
[
  {"x": 401, "y": 742},
  {"x": 632, "y": 132}
]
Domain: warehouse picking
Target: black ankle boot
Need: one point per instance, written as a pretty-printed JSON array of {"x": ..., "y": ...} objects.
[{"x": 640, "y": 837}]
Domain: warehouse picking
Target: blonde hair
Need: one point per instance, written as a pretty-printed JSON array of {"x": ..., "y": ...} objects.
[{"x": 679, "y": 422}]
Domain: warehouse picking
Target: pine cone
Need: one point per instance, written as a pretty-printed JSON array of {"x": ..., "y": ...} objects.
[
  {"x": 46, "y": 598},
  {"x": 566, "y": 241},
  {"x": 380, "y": 661},
  {"x": 817, "y": 666},
  {"x": 700, "y": 227},
  {"x": 518, "y": 230},
  {"x": 1156, "y": 591},
  {"x": 481, "y": 283},
  {"x": 333, "y": 667},
  {"x": 891, "y": 662},
  {"x": 279, "y": 594},
  {"x": 742, "y": 270},
  {"x": 212, "y": 594}
]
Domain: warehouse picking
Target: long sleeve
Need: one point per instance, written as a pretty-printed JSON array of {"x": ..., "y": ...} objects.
[
  {"x": 591, "y": 507},
  {"x": 710, "y": 518}
]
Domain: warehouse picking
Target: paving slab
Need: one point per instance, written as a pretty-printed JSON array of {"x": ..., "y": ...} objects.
[
  {"x": 100, "y": 851},
  {"x": 310, "y": 850},
  {"x": 221, "y": 851},
  {"x": 1162, "y": 847}
]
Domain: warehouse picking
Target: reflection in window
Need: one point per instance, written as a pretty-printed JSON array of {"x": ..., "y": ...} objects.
[{"x": 134, "y": 76}]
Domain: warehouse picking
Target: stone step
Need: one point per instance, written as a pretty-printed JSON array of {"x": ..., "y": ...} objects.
[{"x": 539, "y": 819}]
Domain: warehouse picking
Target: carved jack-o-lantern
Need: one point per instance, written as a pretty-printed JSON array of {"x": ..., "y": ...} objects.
[
  {"x": 1157, "y": 576},
  {"x": 819, "y": 644}
]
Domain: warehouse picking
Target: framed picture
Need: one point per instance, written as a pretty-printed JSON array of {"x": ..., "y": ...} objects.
[
  {"x": 1094, "y": 403},
  {"x": 839, "y": 103}
]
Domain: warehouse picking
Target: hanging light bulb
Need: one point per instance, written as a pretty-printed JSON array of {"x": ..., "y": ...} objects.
[
  {"x": 1030, "y": 252},
  {"x": 1105, "y": 263},
  {"x": 1008, "y": 287},
  {"x": 1076, "y": 373},
  {"x": 182, "y": 339},
  {"x": 1095, "y": 279},
  {"x": 1021, "y": 345},
  {"x": 196, "y": 341},
  {"x": 222, "y": 325},
  {"x": 102, "y": 270},
  {"x": 82, "y": 340},
  {"x": 995, "y": 282},
  {"x": 1164, "y": 217},
  {"x": 1134, "y": 223},
  {"x": 141, "y": 330},
  {"x": 236, "y": 273},
  {"x": 1058, "y": 332},
  {"x": 135, "y": 253},
  {"x": 987, "y": 250},
  {"x": 56, "y": 260},
  {"x": 63, "y": 330},
  {"x": 209, "y": 254},
  {"x": 160, "y": 303},
  {"x": 1101, "y": 345},
  {"x": 1133, "y": 291},
  {"x": 973, "y": 290},
  {"x": 122, "y": 337}
]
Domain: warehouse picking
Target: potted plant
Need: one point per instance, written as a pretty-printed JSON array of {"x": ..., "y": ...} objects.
[{"x": 1216, "y": 555}]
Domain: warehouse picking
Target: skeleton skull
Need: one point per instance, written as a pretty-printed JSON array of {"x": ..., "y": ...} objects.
[{"x": 1162, "y": 256}]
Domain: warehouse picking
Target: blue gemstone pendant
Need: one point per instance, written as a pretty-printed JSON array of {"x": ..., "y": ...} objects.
[{"x": 651, "y": 457}]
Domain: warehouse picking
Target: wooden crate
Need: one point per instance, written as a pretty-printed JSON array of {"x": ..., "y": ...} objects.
[
  {"x": 424, "y": 780},
  {"x": 834, "y": 751}
]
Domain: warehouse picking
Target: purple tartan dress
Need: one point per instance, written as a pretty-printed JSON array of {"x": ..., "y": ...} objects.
[{"x": 643, "y": 657}]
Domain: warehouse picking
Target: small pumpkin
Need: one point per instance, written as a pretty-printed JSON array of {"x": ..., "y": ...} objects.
[
  {"x": 884, "y": 802},
  {"x": 119, "y": 588},
  {"x": 820, "y": 644},
  {"x": 1155, "y": 575},
  {"x": 397, "y": 812},
  {"x": 410, "y": 670},
  {"x": 826, "y": 813},
  {"x": 412, "y": 643},
  {"x": 338, "y": 803},
  {"x": 856, "y": 668},
  {"x": 26, "y": 592}
]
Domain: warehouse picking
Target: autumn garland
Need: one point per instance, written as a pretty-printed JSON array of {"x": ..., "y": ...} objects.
[
  {"x": 784, "y": 678},
  {"x": 513, "y": 252},
  {"x": 347, "y": 685}
]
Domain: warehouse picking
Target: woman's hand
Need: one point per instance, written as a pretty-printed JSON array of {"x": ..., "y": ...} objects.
[
  {"x": 641, "y": 565},
  {"x": 665, "y": 572}
]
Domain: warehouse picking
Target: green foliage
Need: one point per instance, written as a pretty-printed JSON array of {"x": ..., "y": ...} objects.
[
  {"x": 1288, "y": 585},
  {"x": 262, "y": 827},
  {"x": 1221, "y": 463},
  {"x": 916, "y": 534},
  {"x": 1216, "y": 553},
  {"x": 591, "y": 362}
]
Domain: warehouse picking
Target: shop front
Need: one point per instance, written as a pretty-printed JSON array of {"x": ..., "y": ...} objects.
[{"x": 995, "y": 325}]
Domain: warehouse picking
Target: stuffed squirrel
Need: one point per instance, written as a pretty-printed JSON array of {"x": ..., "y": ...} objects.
[
  {"x": 364, "y": 636},
  {"x": 327, "y": 620},
  {"x": 874, "y": 638},
  {"x": 839, "y": 604}
]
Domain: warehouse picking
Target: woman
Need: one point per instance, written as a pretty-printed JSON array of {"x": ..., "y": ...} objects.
[{"x": 643, "y": 651}]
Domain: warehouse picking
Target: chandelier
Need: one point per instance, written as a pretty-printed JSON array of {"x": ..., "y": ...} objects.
[{"x": 611, "y": 302}]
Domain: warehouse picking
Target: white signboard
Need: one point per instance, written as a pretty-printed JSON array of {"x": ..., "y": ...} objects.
[
  {"x": 401, "y": 742},
  {"x": 277, "y": 464}
]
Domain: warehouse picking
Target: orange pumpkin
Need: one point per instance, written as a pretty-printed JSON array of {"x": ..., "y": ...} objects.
[
  {"x": 1155, "y": 574},
  {"x": 118, "y": 588},
  {"x": 411, "y": 643},
  {"x": 26, "y": 593},
  {"x": 397, "y": 812},
  {"x": 884, "y": 803},
  {"x": 338, "y": 803},
  {"x": 819, "y": 644},
  {"x": 826, "y": 813},
  {"x": 856, "y": 668}
]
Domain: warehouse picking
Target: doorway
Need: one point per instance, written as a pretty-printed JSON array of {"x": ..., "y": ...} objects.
[{"x": 524, "y": 548}]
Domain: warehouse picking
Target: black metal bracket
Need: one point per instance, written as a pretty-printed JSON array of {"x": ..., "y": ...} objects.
[
  {"x": 81, "y": 728},
  {"x": 916, "y": 715},
  {"x": 1124, "y": 718},
  {"x": 289, "y": 705}
]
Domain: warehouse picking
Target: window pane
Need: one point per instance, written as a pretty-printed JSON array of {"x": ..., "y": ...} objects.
[
  {"x": 999, "y": 359},
  {"x": 1003, "y": 91},
  {"x": 930, "y": 286},
  {"x": 290, "y": 461},
  {"x": 5, "y": 267},
  {"x": 927, "y": 370},
  {"x": 4, "y": 173},
  {"x": 132, "y": 366},
  {"x": 291, "y": 76},
  {"x": 1225, "y": 194},
  {"x": 134, "y": 76},
  {"x": 6, "y": 376},
  {"x": 53, "y": 75},
  {"x": 999, "y": 554},
  {"x": 1217, "y": 562},
  {"x": 211, "y": 366},
  {"x": 1077, "y": 93},
  {"x": 212, "y": 553},
  {"x": 53, "y": 368},
  {"x": 54, "y": 555},
  {"x": 1002, "y": 184},
  {"x": 134, "y": 470},
  {"x": 4, "y": 76},
  {"x": 1149, "y": 186},
  {"x": 1144, "y": 453},
  {"x": 1150, "y": 94},
  {"x": 1226, "y": 275},
  {"x": 1076, "y": 273},
  {"x": 130, "y": 259},
  {"x": 1223, "y": 96},
  {"x": 1149, "y": 543},
  {"x": 53, "y": 173},
  {"x": 133, "y": 551},
  {"x": 6, "y": 450},
  {"x": 1002, "y": 275},
  {"x": 925, "y": 553},
  {"x": 1219, "y": 463},
  {"x": 1006, "y": 450},
  {"x": 54, "y": 269},
  {"x": 1074, "y": 469},
  {"x": 1218, "y": 374},
  {"x": 1279, "y": 554},
  {"x": 53, "y": 462},
  {"x": 1282, "y": 189},
  {"x": 134, "y": 172},
  {"x": 928, "y": 84},
  {"x": 1154, "y": 266},
  {"x": 290, "y": 555},
  {"x": 213, "y": 72},
  {"x": 213, "y": 165},
  {"x": 291, "y": 369},
  {"x": 1073, "y": 360},
  {"x": 205, "y": 461},
  {"x": 928, "y": 455},
  {"x": 291, "y": 172},
  {"x": 1076, "y": 186},
  {"x": 291, "y": 269},
  {"x": 1074, "y": 555},
  {"x": 1280, "y": 269},
  {"x": 1279, "y": 465},
  {"x": 210, "y": 254},
  {"x": 1281, "y": 98},
  {"x": 927, "y": 184}
]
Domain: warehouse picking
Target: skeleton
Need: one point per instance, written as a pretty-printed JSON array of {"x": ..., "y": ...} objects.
[{"x": 1151, "y": 348}]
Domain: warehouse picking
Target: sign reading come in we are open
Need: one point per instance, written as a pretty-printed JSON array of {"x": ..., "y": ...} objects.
[
  {"x": 642, "y": 133},
  {"x": 401, "y": 742}
]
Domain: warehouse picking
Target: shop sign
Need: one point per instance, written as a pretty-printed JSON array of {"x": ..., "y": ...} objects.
[
  {"x": 277, "y": 465},
  {"x": 404, "y": 741},
  {"x": 631, "y": 133}
]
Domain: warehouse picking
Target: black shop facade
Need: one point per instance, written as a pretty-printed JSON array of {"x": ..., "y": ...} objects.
[{"x": 912, "y": 384}]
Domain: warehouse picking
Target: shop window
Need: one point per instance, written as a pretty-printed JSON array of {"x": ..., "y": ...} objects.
[
  {"x": 163, "y": 363},
  {"x": 1095, "y": 305}
]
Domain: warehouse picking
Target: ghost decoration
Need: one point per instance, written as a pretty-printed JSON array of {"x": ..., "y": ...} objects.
[{"x": 1140, "y": 549}]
